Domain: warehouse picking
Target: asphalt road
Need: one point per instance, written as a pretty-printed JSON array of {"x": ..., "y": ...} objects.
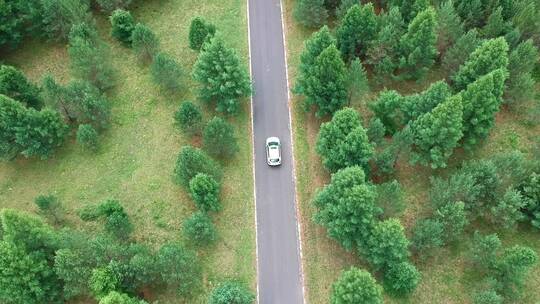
[{"x": 279, "y": 270}]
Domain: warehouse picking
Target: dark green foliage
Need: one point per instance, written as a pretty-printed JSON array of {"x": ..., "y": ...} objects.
[
  {"x": 356, "y": 31},
  {"x": 491, "y": 55},
  {"x": 326, "y": 86},
  {"x": 496, "y": 25},
  {"x": 231, "y": 293},
  {"x": 401, "y": 279},
  {"x": 512, "y": 268},
  {"x": 218, "y": 138},
  {"x": 87, "y": 137},
  {"x": 108, "y": 6},
  {"x": 144, "y": 42},
  {"x": 79, "y": 102},
  {"x": 428, "y": 234},
  {"x": 436, "y": 134},
  {"x": 11, "y": 115},
  {"x": 200, "y": 31},
  {"x": 387, "y": 108},
  {"x": 104, "y": 280},
  {"x": 204, "y": 190},
  {"x": 390, "y": 198},
  {"x": 450, "y": 26},
  {"x": 122, "y": 26},
  {"x": 357, "y": 82},
  {"x": 453, "y": 218},
  {"x": 192, "y": 161},
  {"x": 343, "y": 142},
  {"x": 343, "y": 7},
  {"x": 166, "y": 72},
  {"x": 418, "y": 44},
  {"x": 313, "y": 47},
  {"x": 356, "y": 286},
  {"x": 484, "y": 180},
  {"x": 346, "y": 207},
  {"x": 310, "y": 13},
  {"x": 530, "y": 191},
  {"x": 388, "y": 244},
  {"x": 376, "y": 131},
  {"x": 410, "y": 9},
  {"x": 188, "y": 118},
  {"x": 12, "y": 29},
  {"x": 481, "y": 101},
  {"x": 89, "y": 57},
  {"x": 117, "y": 222},
  {"x": 227, "y": 88},
  {"x": 470, "y": 11},
  {"x": 459, "y": 52},
  {"x": 526, "y": 18},
  {"x": 199, "y": 229},
  {"x": 520, "y": 84},
  {"x": 415, "y": 105},
  {"x": 57, "y": 17},
  {"x": 50, "y": 207},
  {"x": 484, "y": 250},
  {"x": 14, "y": 84},
  {"x": 487, "y": 297},
  {"x": 507, "y": 212},
  {"x": 179, "y": 268}
]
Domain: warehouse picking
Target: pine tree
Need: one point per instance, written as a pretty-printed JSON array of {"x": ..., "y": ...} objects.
[
  {"x": 122, "y": 26},
  {"x": 356, "y": 286},
  {"x": 471, "y": 12},
  {"x": 418, "y": 44},
  {"x": 411, "y": 8},
  {"x": 495, "y": 26},
  {"x": 436, "y": 134},
  {"x": 108, "y": 6},
  {"x": 326, "y": 87},
  {"x": 520, "y": 66},
  {"x": 166, "y": 72},
  {"x": 356, "y": 31},
  {"x": 310, "y": 13},
  {"x": 144, "y": 42},
  {"x": 313, "y": 47},
  {"x": 188, "y": 118},
  {"x": 526, "y": 19},
  {"x": 14, "y": 84},
  {"x": 192, "y": 161},
  {"x": 12, "y": 30},
  {"x": 388, "y": 245},
  {"x": 222, "y": 76},
  {"x": 56, "y": 18},
  {"x": 231, "y": 292},
  {"x": 218, "y": 138},
  {"x": 387, "y": 107},
  {"x": 87, "y": 137},
  {"x": 458, "y": 53},
  {"x": 450, "y": 26},
  {"x": 489, "y": 56},
  {"x": 417, "y": 104},
  {"x": 199, "y": 32},
  {"x": 357, "y": 83},
  {"x": 481, "y": 101},
  {"x": 199, "y": 229}
]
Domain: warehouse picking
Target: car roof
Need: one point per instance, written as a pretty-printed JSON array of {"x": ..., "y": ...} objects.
[
  {"x": 273, "y": 153},
  {"x": 272, "y": 139}
]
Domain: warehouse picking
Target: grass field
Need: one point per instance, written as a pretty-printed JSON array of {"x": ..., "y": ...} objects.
[
  {"x": 137, "y": 155},
  {"x": 448, "y": 276}
]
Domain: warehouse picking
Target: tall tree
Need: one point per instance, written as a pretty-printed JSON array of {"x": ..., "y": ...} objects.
[
  {"x": 388, "y": 245},
  {"x": 357, "y": 82},
  {"x": 459, "y": 52},
  {"x": 450, "y": 26},
  {"x": 496, "y": 25},
  {"x": 56, "y": 18},
  {"x": 520, "y": 83},
  {"x": 356, "y": 31},
  {"x": 14, "y": 84},
  {"x": 310, "y": 13},
  {"x": 410, "y": 9},
  {"x": 436, "y": 134},
  {"x": 222, "y": 76},
  {"x": 326, "y": 88},
  {"x": 387, "y": 107},
  {"x": 200, "y": 31},
  {"x": 144, "y": 42},
  {"x": 356, "y": 286},
  {"x": 491, "y": 55},
  {"x": 417, "y": 104},
  {"x": 418, "y": 44}
]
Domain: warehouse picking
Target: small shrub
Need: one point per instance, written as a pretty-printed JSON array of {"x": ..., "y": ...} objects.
[
  {"x": 192, "y": 161},
  {"x": 401, "y": 279},
  {"x": 200, "y": 31},
  {"x": 205, "y": 190},
  {"x": 87, "y": 137},
  {"x": 376, "y": 130},
  {"x": 50, "y": 206},
  {"x": 166, "y": 72},
  {"x": 231, "y": 292},
  {"x": 218, "y": 138},
  {"x": 199, "y": 229},
  {"x": 427, "y": 234},
  {"x": 144, "y": 42},
  {"x": 122, "y": 24},
  {"x": 356, "y": 286},
  {"x": 188, "y": 118}
]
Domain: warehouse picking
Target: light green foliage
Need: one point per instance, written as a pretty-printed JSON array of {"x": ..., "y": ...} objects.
[
  {"x": 104, "y": 280},
  {"x": 57, "y": 17},
  {"x": 179, "y": 268},
  {"x": 507, "y": 212},
  {"x": 376, "y": 131},
  {"x": 356, "y": 286},
  {"x": 415, "y": 105},
  {"x": 231, "y": 293},
  {"x": 122, "y": 26},
  {"x": 200, "y": 31},
  {"x": 436, "y": 134},
  {"x": 491, "y": 55},
  {"x": 388, "y": 244},
  {"x": 450, "y": 26},
  {"x": 313, "y": 47},
  {"x": 387, "y": 108},
  {"x": 14, "y": 84},
  {"x": 515, "y": 262},
  {"x": 144, "y": 42},
  {"x": 166, "y": 72},
  {"x": 487, "y": 297},
  {"x": 428, "y": 234},
  {"x": 481, "y": 101},
  {"x": 343, "y": 142},
  {"x": 484, "y": 250},
  {"x": 346, "y": 207},
  {"x": 418, "y": 44},
  {"x": 453, "y": 218},
  {"x": 87, "y": 137},
  {"x": 219, "y": 139},
  {"x": 74, "y": 268},
  {"x": 109, "y": 6},
  {"x": 222, "y": 76},
  {"x": 357, "y": 81},
  {"x": 204, "y": 190},
  {"x": 199, "y": 229},
  {"x": 459, "y": 52},
  {"x": 310, "y": 13},
  {"x": 326, "y": 87},
  {"x": 119, "y": 298},
  {"x": 520, "y": 83},
  {"x": 192, "y": 161},
  {"x": 356, "y": 31},
  {"x": 89, "y": 57},
  {"x": 188, "y": 118},
  {"x": 401, "y": 279},
  {"x": 410, "y": 9}
]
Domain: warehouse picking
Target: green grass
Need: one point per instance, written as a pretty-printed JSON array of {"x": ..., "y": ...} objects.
[
  {"x": 137, "y": 154},
  {"x": 447, "y": 277}
]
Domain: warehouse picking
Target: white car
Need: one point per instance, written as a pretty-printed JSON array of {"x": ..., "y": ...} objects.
[{"x": 273, "y": 151}]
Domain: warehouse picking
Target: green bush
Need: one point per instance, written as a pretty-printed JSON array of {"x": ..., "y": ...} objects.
[
  {"x": 199, "y": 229},
  {"x": 192, "y": 161},
  {"x": 204, "y": 190},
  {"x": 427, "y": 234},
  {"x": 218, "y": 138},
  {"x": 200, "y": 31},
  {"x": 166, "y": 72},
  {"x": 144, "y": 42},
  {"x": 188, "y": 118},
  {"x": 401, "y": 279},
  {"x": 356, "y": 286},
  {"x": 87, "y": 137},
  {"x": 122, "y": 26},
  {"x": 231, "y": 292},
  {"x": 50, "y": 207},
  {"x": 14, "y": 84}
]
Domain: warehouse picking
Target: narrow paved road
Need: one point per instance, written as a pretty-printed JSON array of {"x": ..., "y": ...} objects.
[{"x": 279, "y": 271}]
